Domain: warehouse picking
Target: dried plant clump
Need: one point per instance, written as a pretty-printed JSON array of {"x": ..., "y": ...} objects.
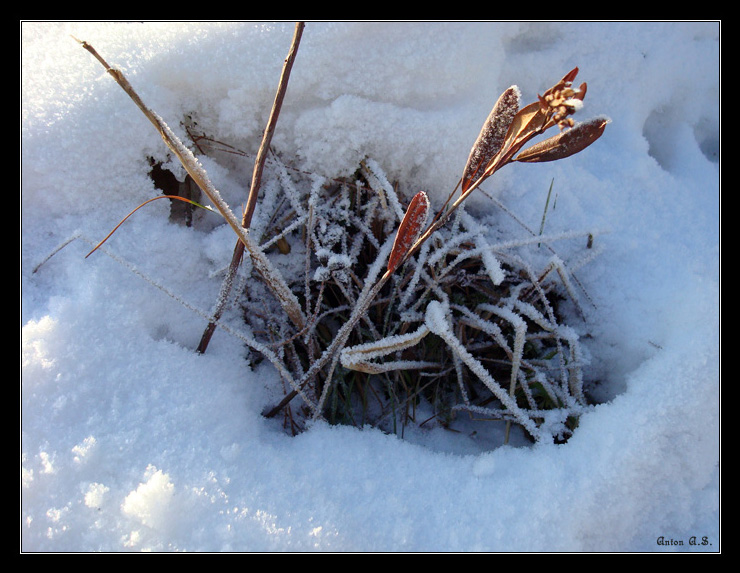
[
  {"x": 465, "y": 327},
  {"x": 392, "y": 318},
  {"x": 513, "y": 313}
]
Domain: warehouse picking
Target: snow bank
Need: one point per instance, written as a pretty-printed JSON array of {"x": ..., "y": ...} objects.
[{"x": 131, "y": 441}]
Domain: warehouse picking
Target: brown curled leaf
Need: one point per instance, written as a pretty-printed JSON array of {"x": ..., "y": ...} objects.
[
  {"x": 492, "y": 136},
  {"x": 410, "y": 229},
  {"x": 566, "y": 143}
]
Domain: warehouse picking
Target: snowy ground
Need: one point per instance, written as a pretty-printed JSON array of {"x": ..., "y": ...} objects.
[{"x": 130, "y": 441}]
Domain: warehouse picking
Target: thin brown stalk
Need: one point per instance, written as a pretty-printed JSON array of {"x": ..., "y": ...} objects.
[
  {"x": 171, "y": 197},
  {"x": 259, "y": 165}
]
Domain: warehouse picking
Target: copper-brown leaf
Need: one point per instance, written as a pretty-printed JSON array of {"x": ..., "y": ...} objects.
[
  {"x": 410, "y": 229},
  {"x": 527, "y": 123},
  {"x": 491, "y": 137},
  {"x": 566, "y": 143}
]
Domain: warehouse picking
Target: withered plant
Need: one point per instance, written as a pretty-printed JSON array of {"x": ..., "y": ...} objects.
[{"x": 401, "y": 315}]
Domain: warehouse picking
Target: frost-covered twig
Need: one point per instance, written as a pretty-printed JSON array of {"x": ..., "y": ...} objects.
[{"x": 360, "y": 357}]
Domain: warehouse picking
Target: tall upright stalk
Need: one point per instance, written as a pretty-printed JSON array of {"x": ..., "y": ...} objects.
[{"x": 259, "y": 164}]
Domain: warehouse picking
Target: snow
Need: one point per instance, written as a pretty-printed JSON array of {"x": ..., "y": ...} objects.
[{"x": 131, "y": 441}]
